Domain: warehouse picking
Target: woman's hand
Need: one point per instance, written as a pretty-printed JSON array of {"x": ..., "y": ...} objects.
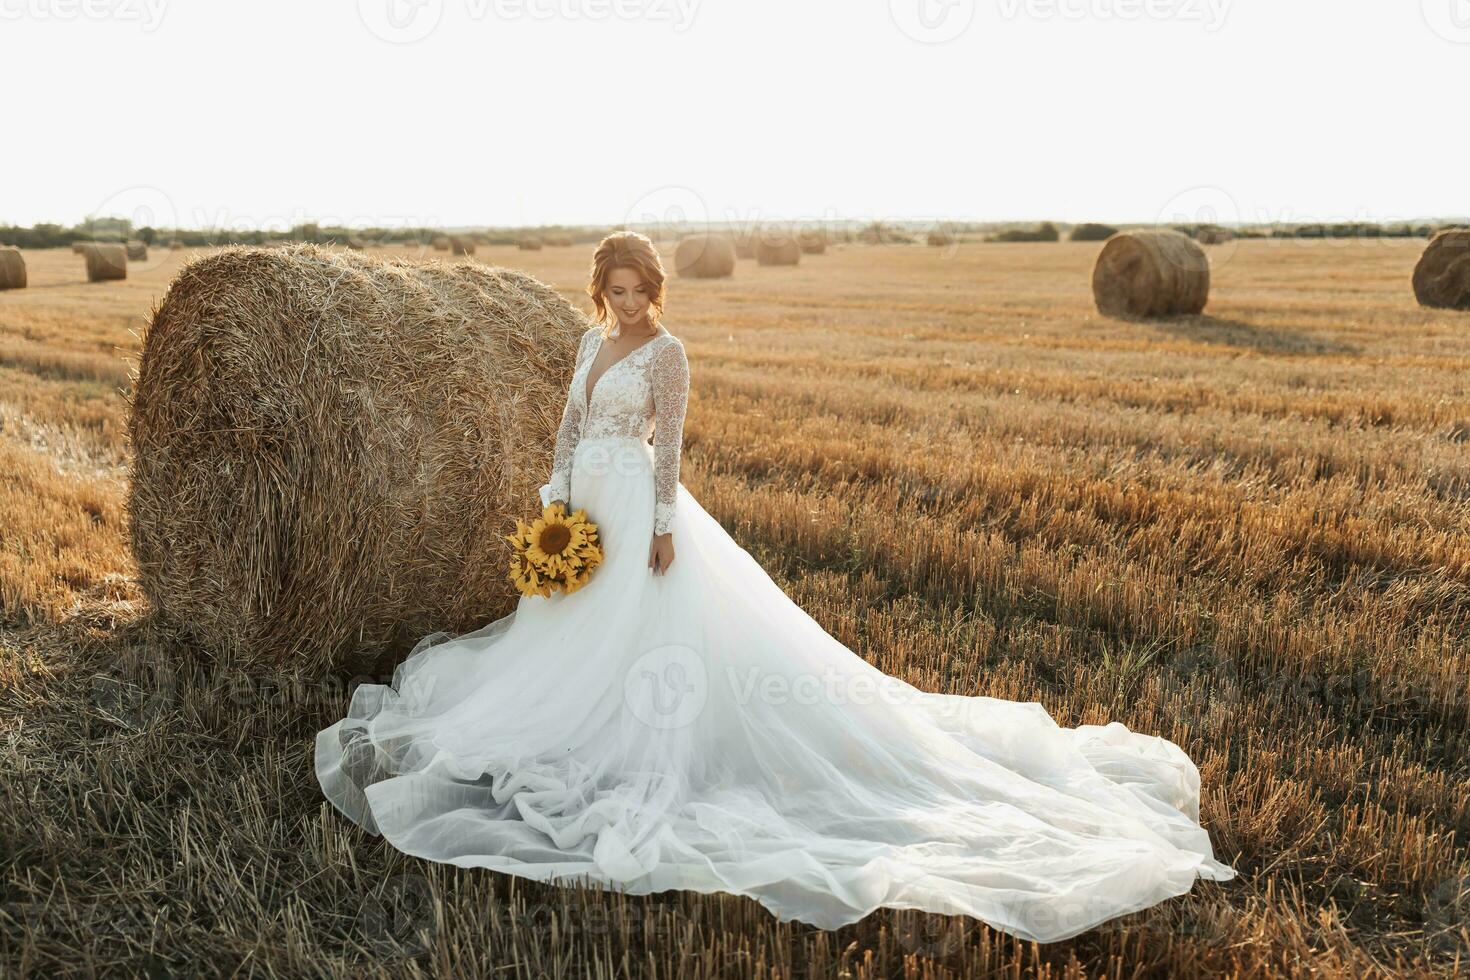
[{"x": 661, "y": 552}]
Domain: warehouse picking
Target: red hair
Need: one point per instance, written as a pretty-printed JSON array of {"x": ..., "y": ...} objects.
[{"x": 626, "y": 250}]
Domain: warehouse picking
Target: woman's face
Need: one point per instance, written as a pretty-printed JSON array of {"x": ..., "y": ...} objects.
[{"x": 628, "y": 296}]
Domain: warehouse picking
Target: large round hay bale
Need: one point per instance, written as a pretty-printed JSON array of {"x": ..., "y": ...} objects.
[
  {"x": 175, "y": 245},
  {"x": 12, "y": 268},
  {"x": 704, "y": 256},
  {"x": 440, "y": 243},
  {"x": 1151, "y": 273},
  {"x": 459, "y": 245},
  {"x": 105, "y": 260},
  {"x": 137, "y": 251},
  {"x": 776, "y": 249},
  {"x": 744, "y": 246},
  {"x": 329, "y": 447},
  {"x": 1442, "y": 277},
  {"x": 529, "y": 244},
  {"x": 939, "y": 238},
  {"x": 77, "y": 248}
]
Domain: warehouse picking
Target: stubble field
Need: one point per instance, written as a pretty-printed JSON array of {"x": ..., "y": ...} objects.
[{"x": 1247, "y": 532}]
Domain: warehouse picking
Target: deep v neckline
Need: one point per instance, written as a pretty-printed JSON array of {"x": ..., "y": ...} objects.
[{"x": 589, "y": 390}]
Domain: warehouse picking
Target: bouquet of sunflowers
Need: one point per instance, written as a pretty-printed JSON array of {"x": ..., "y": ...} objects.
[{"x": 557, "y": 551}]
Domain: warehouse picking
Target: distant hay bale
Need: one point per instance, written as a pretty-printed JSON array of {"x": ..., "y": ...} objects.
[
  {"x": 776, "y": 248},
  {"x": 1151, "y": 273},
  {"x": 744, "y": 247},
  {"x": 939, "y": 238},
  {"x": 77, "y": 248},
  {"x": 811, "y": 241},
  {"x": 299, "y": 496},
  {"x": 12, "y": 268},
  {"x": 441, "y": 243},
  {"x": 175, "y": 245},
  {"x": 137, "y": 251},
  {"x": 1442, "y": 277},
  {"x": 1091, "y": 231},
  {"x": 529, "y": 244},
  {"x": 105, "y": 260},
  {"x": 1212, "y": 235},
  {"x": 459, "y": 245},
  {"x": 704, "y": 256}
]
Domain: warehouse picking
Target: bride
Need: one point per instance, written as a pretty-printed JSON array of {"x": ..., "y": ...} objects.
[{"x": 680, "y": 723}]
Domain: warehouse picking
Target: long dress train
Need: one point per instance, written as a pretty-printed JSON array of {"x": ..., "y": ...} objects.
[{"x": 698, "y": 730}]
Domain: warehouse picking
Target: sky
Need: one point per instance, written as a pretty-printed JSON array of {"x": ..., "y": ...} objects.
[{"x": 404, "y": 113}]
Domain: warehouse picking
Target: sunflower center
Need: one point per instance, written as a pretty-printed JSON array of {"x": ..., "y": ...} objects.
[{"x": 554, "y": 539}]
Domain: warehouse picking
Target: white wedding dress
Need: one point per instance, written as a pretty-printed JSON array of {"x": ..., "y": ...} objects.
[{"x": 697, "y": 730}]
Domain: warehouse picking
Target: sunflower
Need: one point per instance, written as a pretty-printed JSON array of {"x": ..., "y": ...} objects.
[{"x": 557, "y": 550}]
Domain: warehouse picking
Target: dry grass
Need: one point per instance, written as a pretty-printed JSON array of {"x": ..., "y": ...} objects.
[{"x": 1247, "y": 532}]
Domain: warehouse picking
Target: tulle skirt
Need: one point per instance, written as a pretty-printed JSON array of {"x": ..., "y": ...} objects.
[{"x": 698, "y": 730}]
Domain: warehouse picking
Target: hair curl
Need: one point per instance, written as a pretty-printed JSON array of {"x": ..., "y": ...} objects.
[{"x": 626, "y": 250}]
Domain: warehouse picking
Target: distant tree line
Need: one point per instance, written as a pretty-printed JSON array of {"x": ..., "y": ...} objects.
[{"x": 118, "y": 229}]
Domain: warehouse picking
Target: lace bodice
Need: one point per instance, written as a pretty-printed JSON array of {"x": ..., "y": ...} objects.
[{"x": 642, "y": 394}]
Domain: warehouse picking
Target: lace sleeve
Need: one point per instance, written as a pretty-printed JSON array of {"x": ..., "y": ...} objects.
[
  {"x": 559, "y": 487},
  {"x": 670, "y": 398}
]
